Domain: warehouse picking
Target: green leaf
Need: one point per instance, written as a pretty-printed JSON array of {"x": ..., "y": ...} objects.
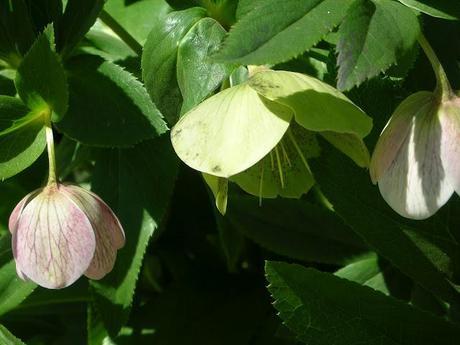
[
  {"x": 160, "y": 56},
  {"x": 78, "y": 17},
  {"x": 317, "y": 105},
  {"x": 374, "y": 35},
  {"x": 108, "y": 106},
  {"x": 446, "y": 9},
  {"x": 137, "y": 17},
  {"x": 41, "y": 80},
  {"x": 22, "y": 136},
  {"x": 421, "y": 250},
  {"x": 297, "y": 229},
  {"x": 6, "y": 338},
  {"x": 324, "y": 309},
  {"x": 16, "y": 31},
  {"x": 275, "y": 31},
  {"x": 373, "y": 272},
  {"x": 197, "y": 75},
  {"x": 101, "y": 41},
  {"x": 137, "y": 183},
  {"x": 12, "y": 289}
]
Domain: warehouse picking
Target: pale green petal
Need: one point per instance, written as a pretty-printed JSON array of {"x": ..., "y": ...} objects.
[
  {"x": 230, "y": 131},
  {"x": 317, "y": 105},
  {"x": 284, "y": 171},
  {"x": 219, "y": 188},
  {"x": 351, "y": 145}
]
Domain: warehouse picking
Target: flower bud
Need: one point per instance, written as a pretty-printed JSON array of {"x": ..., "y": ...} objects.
[
  {"x": 61, "y": 232},
  {"x": 416, "y": 162}
]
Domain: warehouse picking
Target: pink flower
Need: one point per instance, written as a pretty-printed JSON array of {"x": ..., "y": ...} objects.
[
  {"x": 61, "y": 232},
  {"x": 416, "y": 162}
]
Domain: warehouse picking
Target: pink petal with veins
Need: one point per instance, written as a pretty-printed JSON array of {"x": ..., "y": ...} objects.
[
  {"x": 108, "y": 230},
  {"x": 18, "y": 210},
  {"x": 449, "y": 117},
  {"x": 54, "y": 241}
]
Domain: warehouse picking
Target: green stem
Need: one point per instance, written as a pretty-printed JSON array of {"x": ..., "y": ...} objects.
[
  {"x": 52, "y": 180},
  {"x": 124, "y": 35},
  {"x": 443, "y": 87}
]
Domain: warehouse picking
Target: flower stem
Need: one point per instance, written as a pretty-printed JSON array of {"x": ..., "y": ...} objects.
[
  {"x": 124, "y": 35},
  {"x": 52, "y": 180},
  {"x": 443, "y": 87}
]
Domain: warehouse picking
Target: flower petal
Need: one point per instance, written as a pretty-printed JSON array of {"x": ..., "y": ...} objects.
[
  {"x": 415, "y": 184},
  {"x": 108, "y": 231},
  {"x": 54, "y": 242},
  {"x": 230, "y": 131},
  {"x": 449, "y": 117},
  {"x": 13, "y": 221},
  {"x": 396, "y": 131}
]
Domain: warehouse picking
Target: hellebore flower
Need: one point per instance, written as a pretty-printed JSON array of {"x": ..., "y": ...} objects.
[
  {"x": 61, "y": 232},
  {"x": 416, "y": 161},
  {"x": 260, "y": 133}
]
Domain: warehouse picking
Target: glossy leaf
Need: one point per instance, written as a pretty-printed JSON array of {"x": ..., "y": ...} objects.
[
  {"x": 197, "y": 75},
  {"x": 113, "y": 103},
  {"x": 40, "y": 80},
  {"x": 374, "y": 36},
  {"x": 160, "y": 56},
  {"x": 22, "y": 136},
  {"x": 264, "y": 36},
  {"x": 322, "y": 309}
]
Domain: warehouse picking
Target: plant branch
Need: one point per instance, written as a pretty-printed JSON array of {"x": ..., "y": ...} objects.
[{"x": 124, "y": 35}]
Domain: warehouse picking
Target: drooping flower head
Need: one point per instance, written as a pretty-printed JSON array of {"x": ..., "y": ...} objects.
[
  {"x": 261, "y": 133},
  {"x": 416, "y": 161},
  {"x": 61, "y": 232}
]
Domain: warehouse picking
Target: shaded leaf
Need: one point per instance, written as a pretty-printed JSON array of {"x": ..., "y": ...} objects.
[
  {"x": 324, "y": 309},
  {"x": 111, "y": 103},
  {"x": 297, "y": 229},
  {"x": 445, "y": 9},
  {"x": 40, "y": 80},
  {"x": 137, "y": 183},
  {"x": 78, "y": 17},
  {"x": 420, "y": 254},
  {"x": 374, "y": 35}
]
